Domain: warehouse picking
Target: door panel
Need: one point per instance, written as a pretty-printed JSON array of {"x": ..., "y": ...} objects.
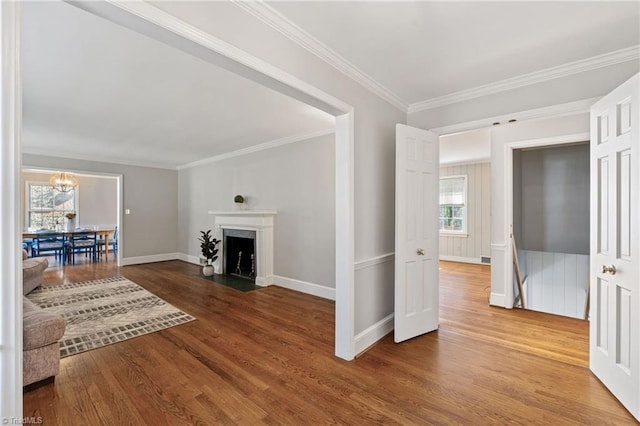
[
  {"x": 615, "y": 234},
  {"x": 416, "y": 249}
]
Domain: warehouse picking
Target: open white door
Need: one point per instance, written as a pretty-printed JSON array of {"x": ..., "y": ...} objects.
[
  {"x": 416, "y": 252},
  {"x": 615, "y": 237}
]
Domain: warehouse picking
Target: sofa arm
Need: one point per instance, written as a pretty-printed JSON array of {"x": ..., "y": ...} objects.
[
  {"x": 40, "y": 327},
  {"x": 32, "y": 273}
]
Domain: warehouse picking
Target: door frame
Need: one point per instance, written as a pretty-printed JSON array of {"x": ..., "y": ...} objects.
[
  {"x": 502, "y": 278},
  {"x": 10, "y": 219},
  {"x": 119, "y": 196}
]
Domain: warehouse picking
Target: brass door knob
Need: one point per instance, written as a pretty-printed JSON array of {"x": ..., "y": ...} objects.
[
  {"x": 420, "y": 252},
  {"x": 610, "y": 269}
]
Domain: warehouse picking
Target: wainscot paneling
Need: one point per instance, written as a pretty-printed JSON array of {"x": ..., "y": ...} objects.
[
  {"x": 556, "y": 282},
  {"x": 478, "y": 239}
]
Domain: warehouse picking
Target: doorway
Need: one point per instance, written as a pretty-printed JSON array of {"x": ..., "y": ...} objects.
[{"x": 551, "y": 226}]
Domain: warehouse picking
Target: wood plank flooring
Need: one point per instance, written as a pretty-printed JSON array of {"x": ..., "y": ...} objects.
[{"x": 266, "y": 357}]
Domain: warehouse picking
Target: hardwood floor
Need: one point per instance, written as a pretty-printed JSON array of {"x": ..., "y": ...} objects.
[{"x": 266, "y": 357}]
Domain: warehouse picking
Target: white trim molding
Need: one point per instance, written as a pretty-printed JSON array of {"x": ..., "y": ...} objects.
[
  {"x": 10, "y": 224},
  {"x": 559, "y": 110},
  {"x": 377, "y": 260},
  {"x": 305, "y": 287},
  {"x": 589, "y": 64},
  {"x": 285, "y": 282},
  {"x": 293, "y": 32},
  {"x": 137, "y": 260},
  {"x": 460, "y": 259},
  {"x": 93, "y": 158},
  {"x": 260, "y": 147},
  {"x": 373, "y": 334}
]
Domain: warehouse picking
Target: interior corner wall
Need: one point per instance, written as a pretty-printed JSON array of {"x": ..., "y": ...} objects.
[
  {"x": 374, "y": 121},
  {"x": 149, "y": 193},
  {"x": 297, "y": 180},
  {"x": 556, "y": 128},
  {"x": 97, "y": 201},
  {"x": 477, "y": 243}
]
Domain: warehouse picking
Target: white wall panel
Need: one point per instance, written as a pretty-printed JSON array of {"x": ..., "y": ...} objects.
[
  {"x": 556, "y": 282},
  {"x": 477, "y": 243}
]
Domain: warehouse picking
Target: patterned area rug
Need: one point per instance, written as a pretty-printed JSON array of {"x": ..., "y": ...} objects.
[{"x": 102, "y": 312}]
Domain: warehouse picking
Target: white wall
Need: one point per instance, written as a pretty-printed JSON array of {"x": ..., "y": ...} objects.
[
  {"x": 297, "y": 180},
  {"x": 572, "y": 128},
  {"x": 97, "y": 199},
  {"x": 477, "y": 243},
  {"x": 150, "y": 231}
]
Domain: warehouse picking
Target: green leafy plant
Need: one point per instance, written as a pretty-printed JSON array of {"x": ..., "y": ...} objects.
[
  {"x": 208, "y": 246},
  {"x": 238, "y": 199}
]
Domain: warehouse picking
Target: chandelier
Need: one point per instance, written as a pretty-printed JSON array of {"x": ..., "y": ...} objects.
[{"x": 63, "y": 182}]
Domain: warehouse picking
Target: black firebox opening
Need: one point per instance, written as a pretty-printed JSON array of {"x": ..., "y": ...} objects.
[{"x": 239, "y": 253}]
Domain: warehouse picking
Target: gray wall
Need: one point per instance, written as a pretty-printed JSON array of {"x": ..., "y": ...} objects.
[
  {"x": 150, "y": 194},
  {"x": 374, "y": 169},
  {"x": 554, "y": 189},
  {"x": 97, "y": 199},
  {"x": 297, "y": 180},
  {"x": 477, "y": 243}
]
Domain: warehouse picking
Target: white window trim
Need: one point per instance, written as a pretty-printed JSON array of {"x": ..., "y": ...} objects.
[
  {"x": 464, "y": 232},
  {"x": 27, "y": 200}
]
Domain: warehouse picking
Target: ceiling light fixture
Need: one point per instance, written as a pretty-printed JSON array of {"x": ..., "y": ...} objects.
[{"x": 63, "y": 182}]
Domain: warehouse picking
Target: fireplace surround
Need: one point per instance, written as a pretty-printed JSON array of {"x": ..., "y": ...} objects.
[{"x": 260, "y": 222}]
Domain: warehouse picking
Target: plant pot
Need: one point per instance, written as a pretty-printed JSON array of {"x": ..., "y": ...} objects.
[
  {"x": 207, "y": 270},
  {"x": 71, "y": 224}
]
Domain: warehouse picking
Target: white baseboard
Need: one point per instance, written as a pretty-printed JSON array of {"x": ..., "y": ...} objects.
[
  {"x": 462, "y": 259},
  {"x": 189, "y": 259},
  {"x": 305, "y": 287},
  {"x": 371, "y": 335},
  {"x": 149, "y": 259},
  {"x": 497, "y": 299}
]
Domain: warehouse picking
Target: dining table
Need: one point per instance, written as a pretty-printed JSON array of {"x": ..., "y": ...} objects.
[{"x": 102, "y": 233}]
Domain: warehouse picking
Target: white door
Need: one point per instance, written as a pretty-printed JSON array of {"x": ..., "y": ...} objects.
[
  {"x": 416, "y": 251},
  {"x": 615, "y": 291}
]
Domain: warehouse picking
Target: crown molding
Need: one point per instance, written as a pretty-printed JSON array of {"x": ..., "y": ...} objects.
[
  {"x": 95, "y": 159},
  {"x": 282, "y": 24},
  {"x": 256, "y": 148},
  {"x": 569, "y": 108},
  {"x": 612, "y": 58}
]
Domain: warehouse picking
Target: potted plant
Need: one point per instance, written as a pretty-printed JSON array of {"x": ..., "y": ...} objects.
[
  {"x": 239, "y": 200},
  {"x": 71, "y": 221},
  {"x": 209, "y": 251}
]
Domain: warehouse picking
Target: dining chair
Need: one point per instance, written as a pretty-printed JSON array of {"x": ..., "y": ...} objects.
[
  {"x": 113, "y": 243},
  {"x": 82, "y": 242},
  {"x": 45, "y": 243}
]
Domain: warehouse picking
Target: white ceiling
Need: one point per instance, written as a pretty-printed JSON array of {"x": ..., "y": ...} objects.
[
  {"x": 93, "y": 89},
  {"x": 421, "y": 50}
]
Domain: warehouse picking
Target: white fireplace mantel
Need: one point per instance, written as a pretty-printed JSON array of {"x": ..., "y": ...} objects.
[{"x": 253, "y": 220}]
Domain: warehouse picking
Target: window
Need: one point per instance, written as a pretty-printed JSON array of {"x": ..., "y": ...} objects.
[
  {"x": 453, "y": 205},
  {"x": 46, "y": 206}
]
